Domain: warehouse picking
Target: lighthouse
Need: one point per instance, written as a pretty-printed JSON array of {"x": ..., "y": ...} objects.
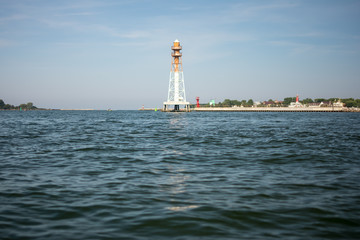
[{"x": 176, "y": 93}]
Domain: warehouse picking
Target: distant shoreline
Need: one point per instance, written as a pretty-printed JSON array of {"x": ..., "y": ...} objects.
[
  {"x": 275, "y": 109},
  {"x": 265, "y": 109},
  {"x": 48, "y": 109},
  {"x": 75, "y": 109},
  {"x": 217, "y": 109}
]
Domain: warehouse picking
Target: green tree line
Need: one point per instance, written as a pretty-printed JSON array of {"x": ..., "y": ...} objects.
[
  {"x": 23, "y": 106},
  {"x": 230, "y": 103}
]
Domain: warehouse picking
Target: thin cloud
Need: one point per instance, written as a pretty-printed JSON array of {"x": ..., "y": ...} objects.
[
  {"x": 294, "y": 46},
  {"x": 78, "y": 14},
  {"x": 301, "y": 48},
  {"x": 244, "y": 12},
  {"x": 97, "y": 28},
  {"x": 134, "y": 34},
  {"x": 6, "y": 43},
  {"x": 308, "y": 35},
  {"x": 188, "y": 8},
  {"x": 62, "y": 24},
  {"x": 15, "y": 17}
]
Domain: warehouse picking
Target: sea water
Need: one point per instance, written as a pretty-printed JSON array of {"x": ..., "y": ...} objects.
[{"x": 154, "y": 175}]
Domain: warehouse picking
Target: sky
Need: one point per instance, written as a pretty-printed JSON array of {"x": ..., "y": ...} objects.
[{"x": 116, "y": 54}]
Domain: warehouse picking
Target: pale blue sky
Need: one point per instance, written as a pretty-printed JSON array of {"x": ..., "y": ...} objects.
[{"x": 116, "y": 54}]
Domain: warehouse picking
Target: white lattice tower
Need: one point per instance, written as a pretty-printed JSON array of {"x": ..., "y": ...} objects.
[{"x": 176, "y": 93}]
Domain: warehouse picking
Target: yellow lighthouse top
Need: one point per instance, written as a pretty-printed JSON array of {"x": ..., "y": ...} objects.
[{"x": 177, "y": 43}]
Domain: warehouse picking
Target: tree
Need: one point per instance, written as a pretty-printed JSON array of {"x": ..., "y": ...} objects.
[
  {"x": 227, "y": 103},
  {"x": 349, "y": 102},
  {"x": 29, "y": 105},
  {"x": 357, "y": 101},
  {"x": 319, "y": 100},
  {"x": 235, "y": 103},
  {"x": 2, "y": 104},
  {"x": 250, "y": 102},
  {"x": 23, "y": 106},
  {"x": 8, "y": 106},
  {"x": 288, "y": 100},
  {"x": 307, "y": 100}
]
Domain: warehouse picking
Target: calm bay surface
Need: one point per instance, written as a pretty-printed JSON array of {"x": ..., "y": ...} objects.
[{"x": 153, "y": 175}]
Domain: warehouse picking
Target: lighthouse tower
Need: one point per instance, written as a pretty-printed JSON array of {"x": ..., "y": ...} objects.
[{"x": 176, "y": 93}]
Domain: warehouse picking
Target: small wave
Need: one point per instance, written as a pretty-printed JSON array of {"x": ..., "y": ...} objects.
[{"x": 181, "y": 208}]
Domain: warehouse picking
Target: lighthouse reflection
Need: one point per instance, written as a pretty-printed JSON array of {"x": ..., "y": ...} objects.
[
  {"x": 177, "y": 120},
  {"x": 176, "y": 184},
  {"x": 176, "y": 187}
]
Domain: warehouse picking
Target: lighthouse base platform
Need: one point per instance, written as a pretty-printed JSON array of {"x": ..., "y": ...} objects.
[{"x": 175, "y": 107}]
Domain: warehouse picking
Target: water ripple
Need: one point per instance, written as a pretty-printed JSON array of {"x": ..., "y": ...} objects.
[{"x": 141, "y": 175}]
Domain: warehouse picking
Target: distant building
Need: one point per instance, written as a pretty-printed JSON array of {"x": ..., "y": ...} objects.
[
  {"x": 296, "y": 104},
  {"x": 326, "y": 104},
  {"x": 268, "y": 103},
  {"x": 339, "y": 103},
  {"x": 314, "y": 104}
]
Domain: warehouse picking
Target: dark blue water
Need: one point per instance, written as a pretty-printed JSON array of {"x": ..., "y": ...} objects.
[{"x": 153, "y": 175}]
